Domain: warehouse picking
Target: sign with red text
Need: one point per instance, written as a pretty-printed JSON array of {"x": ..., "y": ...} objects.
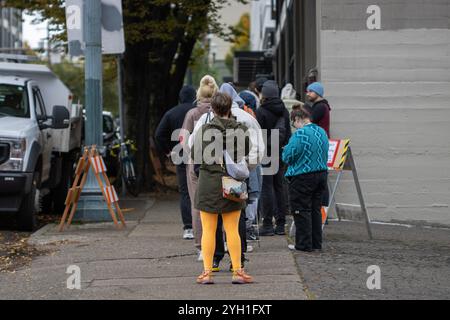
[{"x": 337, "y": 153}]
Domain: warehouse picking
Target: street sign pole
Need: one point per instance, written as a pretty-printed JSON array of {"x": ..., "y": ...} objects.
[
  {"x": 121, "y": 113},
  {"x": 92, "y": 206}
]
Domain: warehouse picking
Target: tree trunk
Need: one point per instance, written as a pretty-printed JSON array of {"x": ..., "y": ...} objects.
[
  {"x": 138, "y": 88},
  {"x": 181, "y": 65}
]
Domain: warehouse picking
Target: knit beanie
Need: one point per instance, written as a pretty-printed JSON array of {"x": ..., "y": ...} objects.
[
  {"x": 249, "y": 99},
  {"x": 317, "y": 88},
  {"x": 260, "y": 82},
  {"x": 270, "y": 89}
]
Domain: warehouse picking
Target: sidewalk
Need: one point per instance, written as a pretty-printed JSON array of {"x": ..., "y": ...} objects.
[{"x": 147, "y": 260}]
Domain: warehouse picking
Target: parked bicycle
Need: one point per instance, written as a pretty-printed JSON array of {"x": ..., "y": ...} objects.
[{"x": 124, "y": 152}]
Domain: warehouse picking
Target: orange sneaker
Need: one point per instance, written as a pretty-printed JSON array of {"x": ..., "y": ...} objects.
[
  {"x": 240, "y": 277},
  {"x": 205, "y": 278}
]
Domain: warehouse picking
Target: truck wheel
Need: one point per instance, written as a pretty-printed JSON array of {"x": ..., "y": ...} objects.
[{"x": 26, "y": 218}]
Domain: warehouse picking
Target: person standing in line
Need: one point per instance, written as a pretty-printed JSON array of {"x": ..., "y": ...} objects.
[
  {"x": 209, "y": 196},
  {"x": 273, "y": 115},
  {"x": 254, "y": 158},
  {"x": 306, "y": 155},
  {"x": 250, "y": 102},
  {"x": 258, "y": 87},
  {"x": 207, "y": 89},
  {"x": 289, "y": 97},
  {"x": 321, "y": 110},
  {"x": 255, "y": 179},
  {"x": 172, "y": 121},
  {"x": 252, "y": 90},
  {"x": 321, "y": 116},
  {"x": 311, "y": 77}
]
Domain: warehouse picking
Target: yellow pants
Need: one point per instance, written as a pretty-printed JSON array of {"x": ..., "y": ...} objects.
[{"x": 231, "y": 225}]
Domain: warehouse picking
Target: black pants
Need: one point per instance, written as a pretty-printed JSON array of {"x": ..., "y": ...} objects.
[
  {"x": 185, "y": 201},
  {"x": 273, "y": 199},
  {"x": 219, "y": 253},
  {"x": 306, "y": 195}
]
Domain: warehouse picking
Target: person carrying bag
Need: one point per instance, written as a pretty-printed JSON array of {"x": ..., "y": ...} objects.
[{"x": 221, "y": 189}]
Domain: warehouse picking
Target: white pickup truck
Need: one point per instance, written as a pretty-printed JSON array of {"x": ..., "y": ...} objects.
[{"x": 40, "y": 139}]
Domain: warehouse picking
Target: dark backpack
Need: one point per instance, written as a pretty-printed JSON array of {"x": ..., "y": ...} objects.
[{"x": 280, "y": 125}]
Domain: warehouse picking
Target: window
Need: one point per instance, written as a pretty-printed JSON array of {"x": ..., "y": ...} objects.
[
  {"x": 39, "y": 104},
  {"x": 273, "y": 6},
  {"x": 14, "y": 101}
]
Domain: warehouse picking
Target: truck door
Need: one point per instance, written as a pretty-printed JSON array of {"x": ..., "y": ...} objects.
[{"x": 45, "y": 134}]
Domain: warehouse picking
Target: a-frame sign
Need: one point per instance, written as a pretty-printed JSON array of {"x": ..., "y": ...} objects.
[
  {"x": 91, "y": 159},
  {"x": 340, "y": 159}
]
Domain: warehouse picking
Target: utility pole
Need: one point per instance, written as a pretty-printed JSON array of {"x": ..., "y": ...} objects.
[
  {"x": 49, "y": 57},
  {"x": 93, "y": 71},
  {"x": 91, "y": 206}
]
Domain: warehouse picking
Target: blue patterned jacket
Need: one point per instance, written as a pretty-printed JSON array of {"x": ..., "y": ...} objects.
[{"x": 307, "y": 151}]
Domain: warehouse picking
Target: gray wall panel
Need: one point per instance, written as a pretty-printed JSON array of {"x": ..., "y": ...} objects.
[
  {"x": 390, "y": 94},
  {"x": 395, "y": 14}
]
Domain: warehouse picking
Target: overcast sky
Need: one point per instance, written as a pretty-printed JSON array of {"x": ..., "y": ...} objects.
[{"x": 33, "y": 33}]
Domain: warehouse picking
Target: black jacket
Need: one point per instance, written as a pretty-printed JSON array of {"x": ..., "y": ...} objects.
[
  {"x": 268, "y": 114},
  {"x": 173, "y": 120}
]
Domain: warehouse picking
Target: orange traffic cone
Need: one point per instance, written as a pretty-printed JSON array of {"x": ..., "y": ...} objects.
[{"x": 324, "y": 214}]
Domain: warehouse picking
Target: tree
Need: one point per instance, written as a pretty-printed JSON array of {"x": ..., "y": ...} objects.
[
  {"x": 73, "y": 76},
  {"x": 199, "y": 64},
  {"x": 241, "y": 39},
  {"x": 160, "y": 37}
]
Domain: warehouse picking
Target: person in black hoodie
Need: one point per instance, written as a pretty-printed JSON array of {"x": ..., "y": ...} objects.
[
  {"x": 173, "y": 120},
  {"x": 273, "y": 115}
]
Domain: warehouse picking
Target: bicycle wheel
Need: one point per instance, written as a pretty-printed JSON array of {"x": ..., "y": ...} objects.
[{"x": 132, "y": 182}]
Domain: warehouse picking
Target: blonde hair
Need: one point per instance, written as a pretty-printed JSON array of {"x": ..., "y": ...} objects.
[{"x": 208, "y": 88}]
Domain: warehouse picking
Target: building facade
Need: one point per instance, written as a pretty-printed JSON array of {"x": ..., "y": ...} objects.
[
  {"x": 262, "y": 25},
  {"x": 230, "y": 15},
  {"x": 10, "y": 28},
  {"x": 385, "y": 66}
]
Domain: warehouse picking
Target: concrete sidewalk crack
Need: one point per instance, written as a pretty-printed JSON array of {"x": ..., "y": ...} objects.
[
  {"x": 144, "y": 258},
  {"x": 309, "y": 294}
]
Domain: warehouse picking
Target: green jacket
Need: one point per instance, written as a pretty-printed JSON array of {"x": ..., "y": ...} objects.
[{"x": 209, "y": 197}]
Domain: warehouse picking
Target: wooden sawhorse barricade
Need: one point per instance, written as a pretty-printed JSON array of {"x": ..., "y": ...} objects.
[
  {"x": 91, "y": 159},
  {"x": 340, "y": 159}
]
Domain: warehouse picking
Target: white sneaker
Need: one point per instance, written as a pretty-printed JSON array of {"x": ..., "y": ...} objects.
[
  {"x": 188, "y": 234},
  {"x": 291, "y": 247},
  {"x": 200, "y": 256}
]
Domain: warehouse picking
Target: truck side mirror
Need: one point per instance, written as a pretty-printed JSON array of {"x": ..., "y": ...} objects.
[{"x": 61, "y": 117}]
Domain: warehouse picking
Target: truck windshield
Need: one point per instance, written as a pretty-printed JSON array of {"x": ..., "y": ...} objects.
[{"x": 14, "y": 101}]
